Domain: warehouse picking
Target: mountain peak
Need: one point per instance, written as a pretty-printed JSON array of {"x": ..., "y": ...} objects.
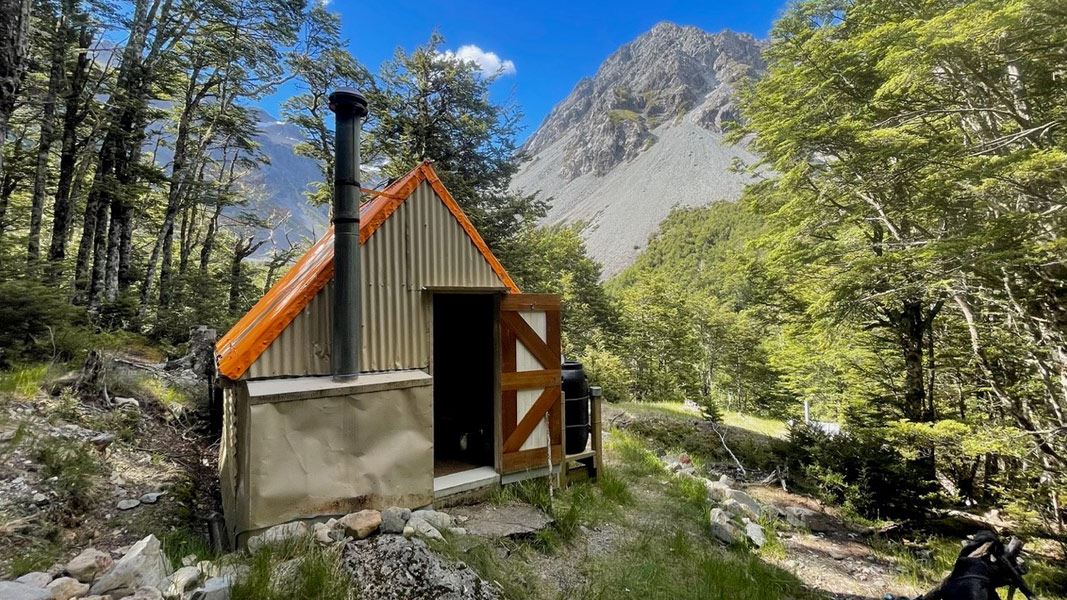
[{"x": 656, "y": 105}]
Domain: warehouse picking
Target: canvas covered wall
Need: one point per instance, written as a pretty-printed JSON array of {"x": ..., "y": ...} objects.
[{"x": 312, "y": 447}]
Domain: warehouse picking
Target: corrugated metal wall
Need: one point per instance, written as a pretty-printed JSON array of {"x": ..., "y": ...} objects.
[{"x": 420, "y": 246}]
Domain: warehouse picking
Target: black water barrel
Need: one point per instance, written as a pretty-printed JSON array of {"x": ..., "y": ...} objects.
[{"x": 576, "y": 406}]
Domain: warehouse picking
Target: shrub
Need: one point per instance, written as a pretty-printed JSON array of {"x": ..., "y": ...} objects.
[
  {"x": 607, "y": 369},
  {"x": 38, "y": 323},
  {"x": 75, "y": 468}
]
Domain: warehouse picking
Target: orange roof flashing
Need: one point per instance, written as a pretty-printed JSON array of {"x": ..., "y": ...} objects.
[{"x": 265, "y": 321}]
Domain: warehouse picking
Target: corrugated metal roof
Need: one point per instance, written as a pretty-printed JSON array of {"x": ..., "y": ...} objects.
[{"x": 284, "y": 303}]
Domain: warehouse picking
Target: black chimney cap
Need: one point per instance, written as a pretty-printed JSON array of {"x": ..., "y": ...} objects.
[{"x": 344, "y": 100}]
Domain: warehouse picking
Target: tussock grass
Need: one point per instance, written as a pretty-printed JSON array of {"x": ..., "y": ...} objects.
[
  {"x": 181, "y": 542},
  {"x": 295, "y": 569},
  {"x": 667, "y": 409},
  {"x": 24, "y": 381},
  {"x": 637, "y": 460}
]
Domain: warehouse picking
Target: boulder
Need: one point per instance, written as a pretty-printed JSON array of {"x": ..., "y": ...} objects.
[
  {"x": 145, "y": 593},
  {"x": 66, "y": 588},
  {"x": 736, "y": 510},
  {"x": 104, "y": 597},
  {"x": 87, "y": 565},
  {"x": 409, "y": 531},
  {"x": 12, "y": 590},
  {"x": 128, "y": 503},
  {"x": 278, "y": 534},
  {"x": 746, "y": 500},
  {"x": 420, "y": 526},
  {"x": 754, "y": 533},
  {"x": 361, "y": 524},
  {"x": 324, "y": 534},
  {"x": 394, "y": 519},
  {"x": 144, "y": 565},
  {"x": 181, "y": 581},
  {"x": 799, "y": 516},
  {"x": 727, "y": 480},
  {"x": 717, "y": 491},
  {"x": 439, "y": 520},
  {"x": 215, "y": 588},
  {"x": 722, "y": 528},
  {"x": 36, "y": 579}
]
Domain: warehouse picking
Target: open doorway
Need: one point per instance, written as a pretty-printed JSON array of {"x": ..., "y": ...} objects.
[{"x": 463, "y": 382}]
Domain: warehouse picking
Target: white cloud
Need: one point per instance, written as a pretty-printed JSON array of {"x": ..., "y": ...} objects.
[{"x": 489, "y": 63}]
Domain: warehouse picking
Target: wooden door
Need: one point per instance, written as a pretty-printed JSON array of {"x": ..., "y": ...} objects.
[{"x": 531, "y": 395}]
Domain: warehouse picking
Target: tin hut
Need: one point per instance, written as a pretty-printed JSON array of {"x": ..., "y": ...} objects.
[{"x": 456, "y": 383}]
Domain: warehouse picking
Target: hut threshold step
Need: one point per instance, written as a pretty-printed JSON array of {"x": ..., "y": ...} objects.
[{"x": 464, "y": 481}]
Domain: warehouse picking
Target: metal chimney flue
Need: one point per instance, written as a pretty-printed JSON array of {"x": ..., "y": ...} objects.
[{"x": 349, "y": 108}]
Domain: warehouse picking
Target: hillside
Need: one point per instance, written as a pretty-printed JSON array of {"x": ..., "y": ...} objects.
[{"x": 643, "y": 135}]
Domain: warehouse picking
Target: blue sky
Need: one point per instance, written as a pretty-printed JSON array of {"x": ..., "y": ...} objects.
[{"x": 550, "y": 44}]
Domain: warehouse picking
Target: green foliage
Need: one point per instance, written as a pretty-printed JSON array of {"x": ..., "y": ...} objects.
[
  {"x": 553, "y": 259},
  {"x": 608, "y": 370},
  {"x": 23, "y": 381},
  {"x": 430, "y": 105},
  {"x": 619, "y": 115},
  {"x": 37, "y": 322}
]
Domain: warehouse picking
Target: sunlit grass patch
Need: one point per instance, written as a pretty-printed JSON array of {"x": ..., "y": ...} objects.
[
  {"x": 761, "y": 425},
  {"x": 637, "y": 460},
  {"x": 667, "y": 409},
  {"x": 24, "y": 381}
]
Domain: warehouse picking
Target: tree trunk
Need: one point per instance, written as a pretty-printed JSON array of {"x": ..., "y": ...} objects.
[
  {"x": 911, "y": 329},
  {"x": 44, "y": 146},
  {"x": 14, "y": 43},
  {"x": 209, "y": 240},
  {"x": 62, "y": 215}
]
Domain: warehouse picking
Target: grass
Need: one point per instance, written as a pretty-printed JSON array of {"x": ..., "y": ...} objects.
[
  {"x": 619, "y": 115},
  {"x": 181, "y": 542},
  {"x": 769, "y": 427},
  {"x": 309, "y": 571},
  {"x": 39, "y": 556},
  {"x": 675, "y": 566},
  {"x": 668, "y": 409},
  {"x": 24, "y": 381}
]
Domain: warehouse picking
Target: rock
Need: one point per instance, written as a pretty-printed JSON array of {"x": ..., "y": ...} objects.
[
  {"x": 145, "y": 593},
  {"x": 389, "y": 567},
  {"x": 143, "y": 565},
  {"x": 408, "y": 531},
  {"x": 394, "y": 519},
  {"x": 717, "y": 491},
  {"x": 361, "y": 524},
  {"x": 513, "y": 520},
  {"x": 727, "y": 480},
  {"x": 104, "y": 597},
  {"x": 12, "y": 590},
  {"x": 181, "y": 581},
  {"x": 457, "y": 531},
  {"x": 439, "y": 520},
  {"x": 87, "y": 565},
  {"x": 721, "y": 527},
  {"x": 215, "y": 588},
  {"x": 323, "y": 534},
  {"x": 277, "y": 534},
  {"x": 746, "y": 500},
  {"x": 124, "y": 402},
  {"x": 128, "y": 503},
  {"x": 285, "y": 574},
  {"x": 151, "y": 497},
  {"x": 754, "y": 533},
  {"x": 36, "y": 579},
  {"x": 812, "y": 520},
  {"x": 189, "y": 560},
  {"x": 66, "y": 588},
  {"x": 102, "y": 441},
  {"x": 420, "y": 526},
  {"x": 40, "y": 499},
  {"x": 736, "y": 510}
]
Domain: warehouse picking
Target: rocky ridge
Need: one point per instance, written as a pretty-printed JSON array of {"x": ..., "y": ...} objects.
[{"x": 641, "y": 136}]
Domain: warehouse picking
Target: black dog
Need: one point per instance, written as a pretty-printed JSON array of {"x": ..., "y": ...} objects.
[{"x": 984, "y": 564}]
